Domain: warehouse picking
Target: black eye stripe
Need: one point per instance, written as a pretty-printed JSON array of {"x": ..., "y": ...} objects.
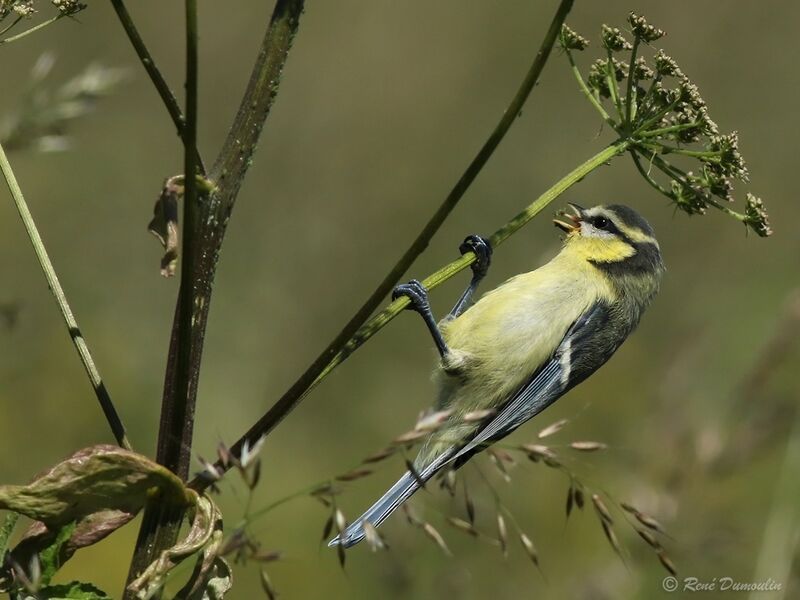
[{"x": 604, "y": 224}]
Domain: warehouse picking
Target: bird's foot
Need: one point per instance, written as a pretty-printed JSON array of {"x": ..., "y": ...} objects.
[
  {"x": 483, "y": 251},
  {"x": 416, "y": 293}
]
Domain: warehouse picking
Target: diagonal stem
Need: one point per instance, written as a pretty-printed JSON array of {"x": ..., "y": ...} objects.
[
  {"x": 292, "y": 397},
  {"x": 298, "y": 390},
  {"x": 33, "y": 29},
  {"x": 103, "y": 397}
]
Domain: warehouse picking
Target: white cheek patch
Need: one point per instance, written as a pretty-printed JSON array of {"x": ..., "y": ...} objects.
[{"x": 589, "y": 230}]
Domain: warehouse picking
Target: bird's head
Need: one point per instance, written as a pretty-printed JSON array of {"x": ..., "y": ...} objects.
[{"x": 615, "y": 238}]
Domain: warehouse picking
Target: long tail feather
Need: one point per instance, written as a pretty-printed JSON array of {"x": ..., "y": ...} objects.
[{"x": 389, "y": 502}]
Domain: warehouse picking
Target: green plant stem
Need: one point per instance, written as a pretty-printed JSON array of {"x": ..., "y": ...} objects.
[
  {"x": 167, "y": 97},
  {"x": 587, "y": 92},
  {"x": 630, "y": 95},
  {"x": 299, "y": 389},
  {"x": 103, "y": 397},
  {"x": 670, "y": 129},
  {"x": 677, "y": 174},
  {"x": 284, "y": 405},
  {"x": 33, "y": 29},
  {"x": 646, "y": 125},
  {"x": 645, "y": 173},
  {"x": 611, "y": 79}
]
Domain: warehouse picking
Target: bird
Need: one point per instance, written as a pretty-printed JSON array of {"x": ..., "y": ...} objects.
[{"x": 526, "y": 343}]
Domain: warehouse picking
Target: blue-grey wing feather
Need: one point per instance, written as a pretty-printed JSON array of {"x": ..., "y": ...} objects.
[{"x": 570, "y": 364}]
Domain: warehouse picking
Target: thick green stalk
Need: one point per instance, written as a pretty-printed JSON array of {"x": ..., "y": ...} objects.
[
  {"x": 281, "y": 408},
  {"x": 103, "y": 397}
]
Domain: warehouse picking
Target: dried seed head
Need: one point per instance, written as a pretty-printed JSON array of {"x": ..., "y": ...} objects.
[
  {"x": 268, "y": 556},
  {"x": 431, "y": 421},
  {"x": 602, "y": 509},
  {"x": 432, "y": 533},
  {"x": 498, "y": 463},
  {"x": 210, "y": 472},
  {"x": 552, "y": 463},
  {"x": 249, "y": 453},
  {"x": 447, "y": 481},
  {"x": 643, "y": 30},
  {"x": 530, "y": 549},
  {"x": 537, "y": 451},
  {"x": 649, "y": 522},
  {"x": 462, "y": 525},
  {"x": 409, "y": 437},
  {"x": 613, "y": 40},
  {"x": 571, "y": 40},
  {"x": 339, "y": 520},
  {"x": 579, "y": 499},
  {"x": 667, "y": 563},
  {"x": 502, "y": 534},
  {"x": 224, "y": 455},
  {"x": 470, "y": 507},
  {"x": 411, "y": 515},
  {"x": 649, "y": 538},
  {"x": 327, "y": 528},
  {"x": 588, "y": 446},
  {"x": 354, "y": 474},
  {"x": 253, "y": 475},
  {"x": 570, "y": 500},
  {"x": 379, "y": 456},
  {"x": 373, "y": 538},
  {"x": 552, "y": 428},
  {"x": 478, "y": 415},
  {"x": 756, "y": 216},
  {"x": 611, "y": 536}
]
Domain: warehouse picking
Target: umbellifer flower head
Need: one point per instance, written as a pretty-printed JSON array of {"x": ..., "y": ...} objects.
[
  {"x": 642, "y": 29},
  {"x": 570, "y": 40}
]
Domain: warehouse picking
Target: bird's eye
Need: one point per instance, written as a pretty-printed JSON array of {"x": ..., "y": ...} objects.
[{"x": 600, "y": 222}]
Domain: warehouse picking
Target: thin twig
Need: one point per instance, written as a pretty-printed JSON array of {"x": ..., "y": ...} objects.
[
  {"x": 288, "y": 401},
  {"x": 587, "y": 92},
  {"x": 167, "y": 97},
  {"x": 33, "y": 29},
  {"x": 309, "y": 378},
  {"x": 110, "y": 412}
]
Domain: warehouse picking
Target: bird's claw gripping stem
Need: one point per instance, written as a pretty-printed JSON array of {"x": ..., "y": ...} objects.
[
  {"x": 418, "y": 296},
  {"x": 482, "y": 249},
  {"x": 483, "y": 253}
]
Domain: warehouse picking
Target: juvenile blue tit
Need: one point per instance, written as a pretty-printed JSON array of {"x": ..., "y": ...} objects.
[{"x": 525, "y": 344}]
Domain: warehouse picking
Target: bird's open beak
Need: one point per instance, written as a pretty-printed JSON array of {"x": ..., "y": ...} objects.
[{"x": 570, "y": 222}]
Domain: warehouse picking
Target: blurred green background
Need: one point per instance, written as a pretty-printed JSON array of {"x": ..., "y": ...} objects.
[{"x": 382, "y": 105}]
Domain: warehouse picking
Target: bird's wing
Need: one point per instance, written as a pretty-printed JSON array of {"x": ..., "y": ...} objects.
[{"x": 548, "y": 384}]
